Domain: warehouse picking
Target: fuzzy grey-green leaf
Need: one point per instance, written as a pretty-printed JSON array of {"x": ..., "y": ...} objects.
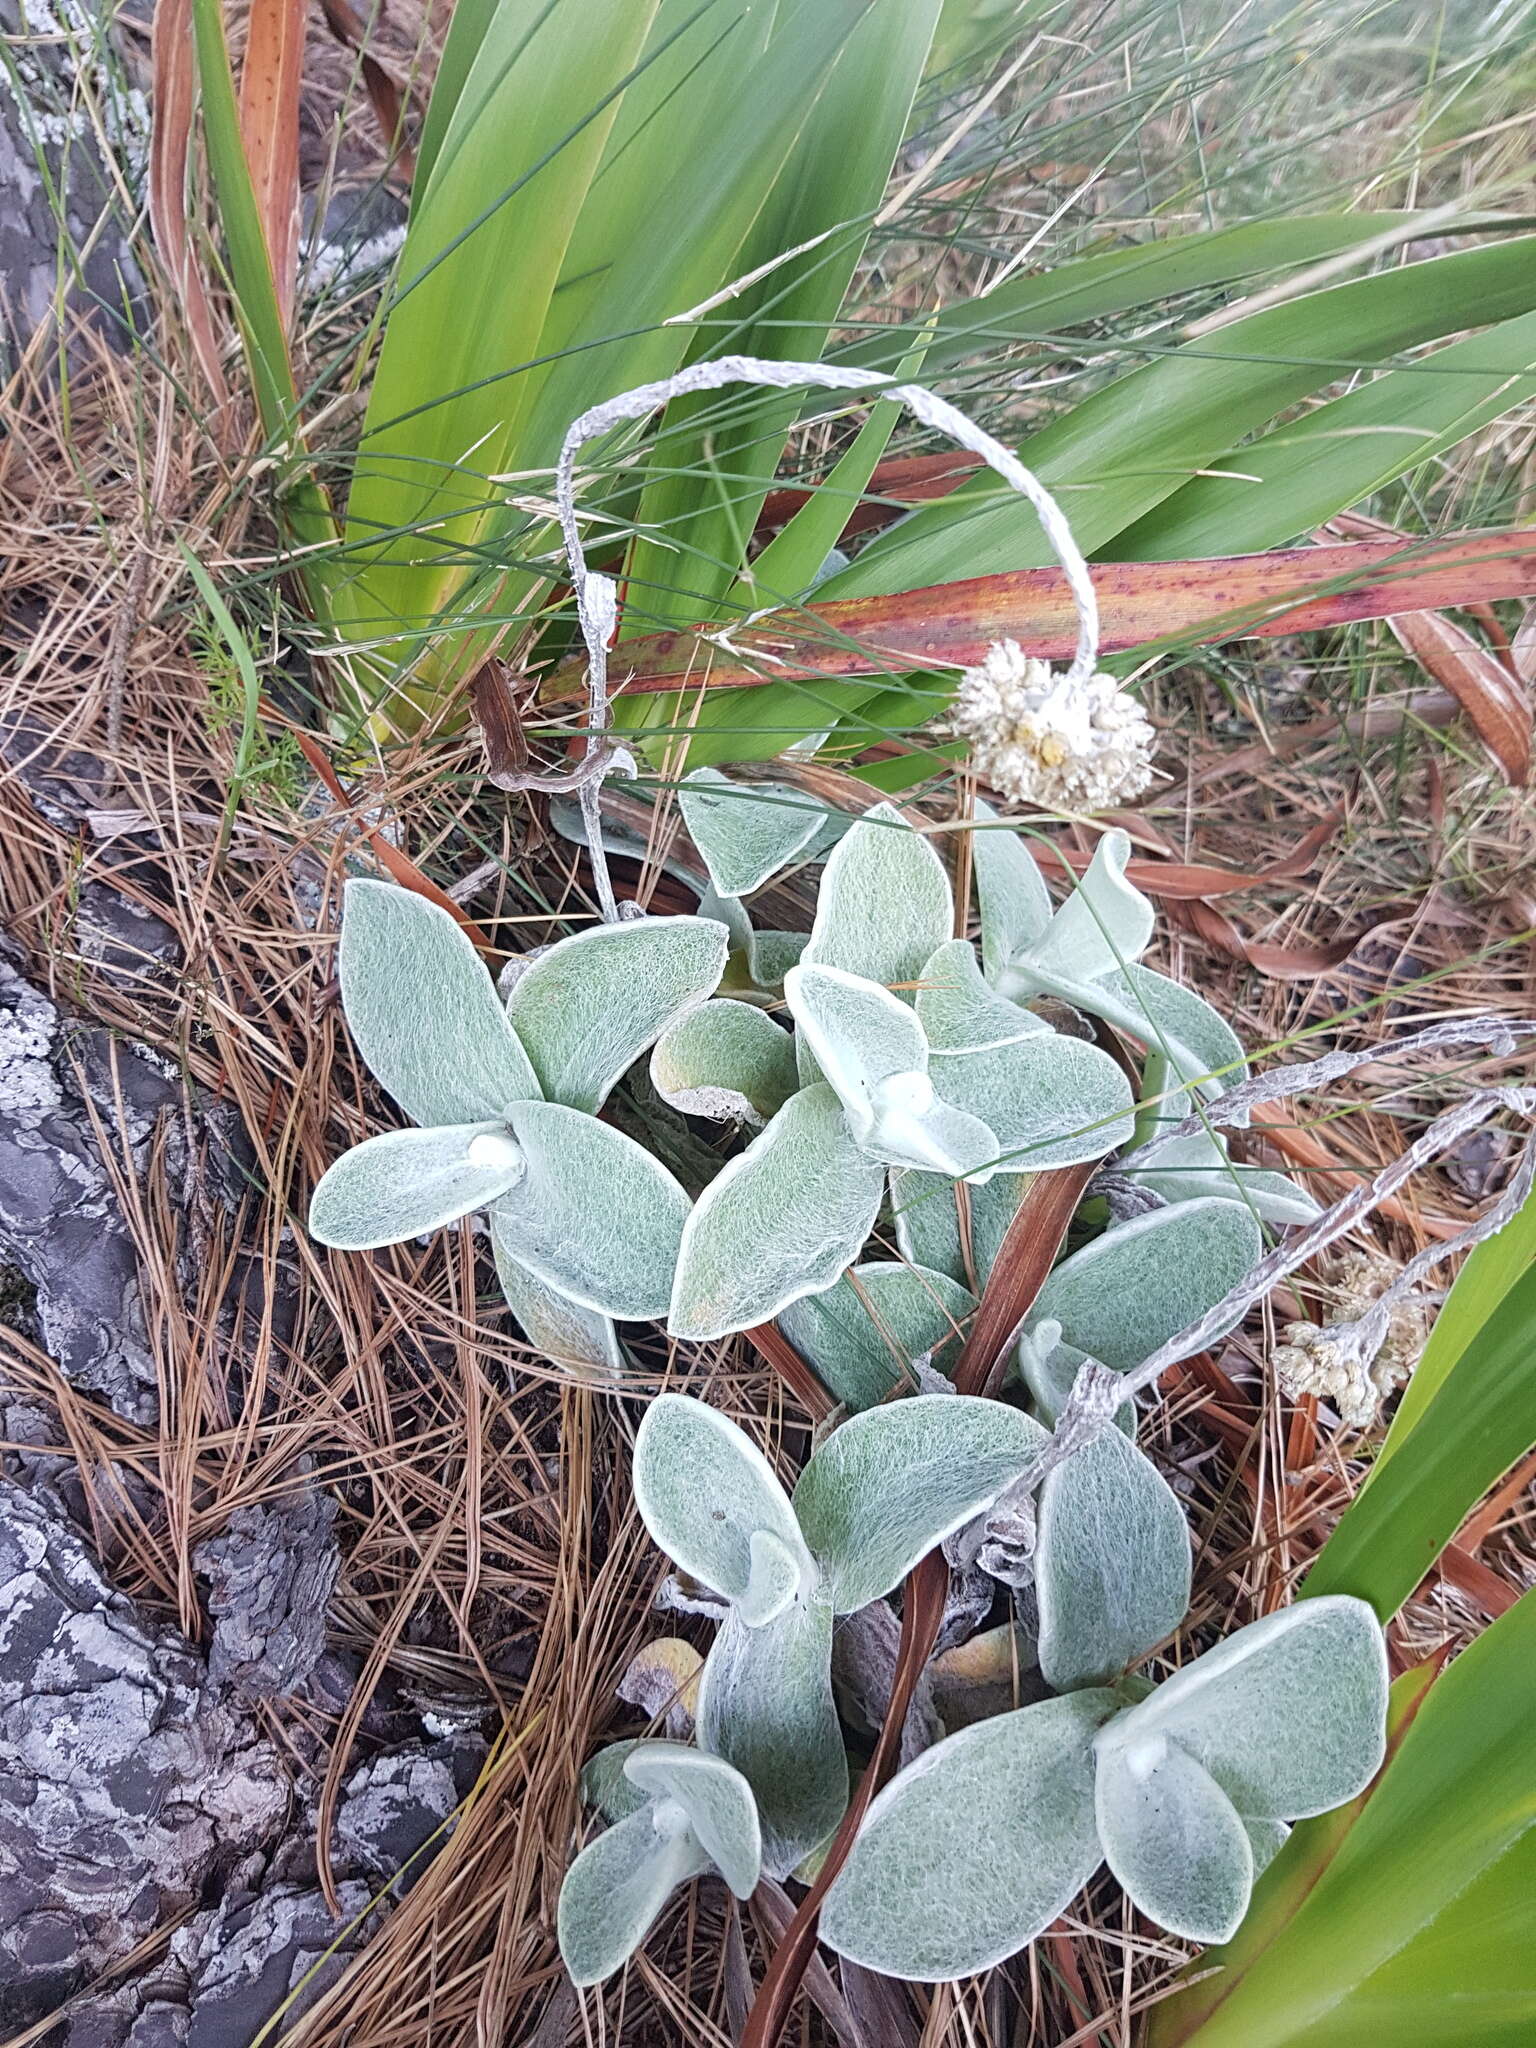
[
  {"x": 961, "y": 1012},
  {"x": 594, "y": 1216},
  {"x": 725, "y": 1060},
  {"x": 783, "y": 1219},
  {"x": 402, "y": 1183},
  {"x": 746, "y": 831},
  {"x": 589, "y": 1007},
  {"x": 891, "y": 1483},
  {"x": 879, "y": 1317},
  {"x": 871, "y": 1048},
  {"x": 717, "y": 1799},
  {"x": 614, "y": 1890},
  {"x": 1112, "y": 1563},
  {"x": 1288, "y": 1715},
  {"x": 561, "y": 1329},
  {"x": 975, "y": 1847},
  {"x": 1173, "y": 1838},
  {"x": 1104, "y": 924},
  {"x": 766, "y": 1706},
  {"x": 1139, "y": 1284},
  {"x": 1167, "y": 1017},
  {"x": 884, "y": 903},
  {"x": 703, "y": 1488},
  {"x": 1015, "y": 904},
  {"x": 1049, "y": 1100},
  {"x": 927, "y": 1220},
  {"x": 424, "y": 1011}
]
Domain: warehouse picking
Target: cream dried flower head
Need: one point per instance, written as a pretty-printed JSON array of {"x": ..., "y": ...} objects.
[
  {"x": 1045, "y": 740},
  {"x": 1373, "y": 1345}
]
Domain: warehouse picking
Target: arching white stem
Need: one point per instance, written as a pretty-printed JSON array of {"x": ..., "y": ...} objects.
[{"x": 595, "y": 594}]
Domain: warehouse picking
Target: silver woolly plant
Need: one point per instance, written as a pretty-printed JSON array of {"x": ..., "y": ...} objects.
[
  {"x": 913, "y": 1067},
  {"x": 1185, "y": 1788},
  {"x": 584, "y": 1222}
]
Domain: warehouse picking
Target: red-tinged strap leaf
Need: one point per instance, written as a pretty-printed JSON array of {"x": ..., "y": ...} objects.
[
  {"x": 173, "y": 93},
  {"x": 951, "y": 625},
  {"x": 1024, "y": 1258},
  {"x": 269, "y": 128}
]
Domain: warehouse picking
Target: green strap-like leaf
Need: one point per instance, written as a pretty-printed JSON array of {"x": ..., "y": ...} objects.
[
  {"x": 860, "y": 1335},
  {"x": 725, "y": 1060},
  {"x": 615, "y": 1889},
  {"x": 1289, "y": 1715},
  {"x": 746, "y": 831},
  {"x": 405, "y": 1182},
  {"x": 975, "y": 1847},
  {"x": 704, "y": 1489},
  {"x": 784, "y": 1219},
  {"x": 1173, "y": 1838},
  {"x": 594, "y": 1216},
  {"x": 892, "y": 1483},
  {"x": 766, "y": 1706},
  {"x": 1406, "y": 1918},
  {"x": 590, "y": 1006},
  {"x": 1050, "y": 1100},
  {"x": 560, "y": 1328},
  {"x": 871, "y": 1048},
  {"x": 884, "y": 903},
  {"x": 717, "y": 1799},
  {"x": 1139, "y": 1284},
  {"x": 424, "y": 1011},
  {"x": 961, "y": 1012},
  {"x": 1112, "y": 1563}
]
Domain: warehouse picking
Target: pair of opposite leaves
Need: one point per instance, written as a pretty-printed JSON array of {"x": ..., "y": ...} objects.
[
  {"x": 983, "y": 1840},
  {"x": 509, "y": 1094}
]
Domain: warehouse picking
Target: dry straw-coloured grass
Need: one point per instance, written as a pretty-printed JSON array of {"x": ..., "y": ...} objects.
[{"x": 493, "y": 1563}]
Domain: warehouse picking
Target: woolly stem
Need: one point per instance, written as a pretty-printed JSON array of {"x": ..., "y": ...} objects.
[{"x": 596, "y": 598}]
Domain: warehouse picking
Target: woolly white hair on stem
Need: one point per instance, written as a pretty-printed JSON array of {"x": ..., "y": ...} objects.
[{"x": 596, "y": 596}]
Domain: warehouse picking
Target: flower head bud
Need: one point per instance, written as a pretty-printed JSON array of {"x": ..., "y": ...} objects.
[{"x": 1040, "y": 739}]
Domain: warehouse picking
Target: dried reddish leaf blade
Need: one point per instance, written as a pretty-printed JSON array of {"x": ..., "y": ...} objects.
[
  {"x": 269, "y": 128},
  {"x": 385, "y": 95},
  {"x": 169, "y": 147},
  {"x": 1180, "y": 881},
  {"x": 899, "y": 480},
  {"x": 1281, "y": 963},
  {"x": 951, "y": 625},
  {"x": 1496, "y": 704}
]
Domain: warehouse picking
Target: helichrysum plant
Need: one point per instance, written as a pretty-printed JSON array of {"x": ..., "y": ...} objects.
[
  {"x": 855, "y": 1077},
  {"x": 1184, "y": 1789}
]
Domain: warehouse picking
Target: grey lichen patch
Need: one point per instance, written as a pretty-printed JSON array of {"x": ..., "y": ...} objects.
[
  {"x": 63, "y": 1086},
  {"x": 271, "y": 1575},
  {"x": 125, "y": 1780}
]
